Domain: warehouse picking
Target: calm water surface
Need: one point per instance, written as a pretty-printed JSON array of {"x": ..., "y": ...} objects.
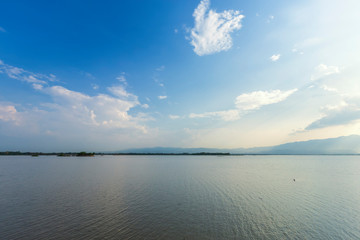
[{"x": 180, "y": 197}]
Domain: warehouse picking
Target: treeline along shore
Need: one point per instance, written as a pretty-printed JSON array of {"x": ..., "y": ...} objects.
[{"x": 91, "y": 154}]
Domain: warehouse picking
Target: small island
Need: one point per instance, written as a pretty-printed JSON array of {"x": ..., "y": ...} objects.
[{"x": 85, "y": 154}]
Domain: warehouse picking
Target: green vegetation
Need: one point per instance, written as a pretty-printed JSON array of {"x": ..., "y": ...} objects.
[{"x": 85, "y": 154}]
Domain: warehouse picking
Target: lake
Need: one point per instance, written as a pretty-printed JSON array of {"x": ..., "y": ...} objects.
[{"x": 180, "y": 197}]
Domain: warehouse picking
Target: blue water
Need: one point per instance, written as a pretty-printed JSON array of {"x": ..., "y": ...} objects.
[{"x": 180, "y": 197}]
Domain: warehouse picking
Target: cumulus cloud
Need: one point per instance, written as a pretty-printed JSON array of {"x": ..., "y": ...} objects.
[
  {"x": 9, "y": 113},
  {"x": 73, "y": 116},
  {"x": 275, "y": 57},
  {"x": 162, "y": 97},
  {"x": 97, "y": 110},
  {"x": 247, "y": 102},
  {"x": 211, "y": 32},
  {"x": 323, "y": 70}
]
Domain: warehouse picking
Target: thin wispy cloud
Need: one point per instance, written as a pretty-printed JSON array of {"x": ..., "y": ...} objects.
[
  {"x": 2, "y": 29},
  {"x": 212, "y": 30},
  {"x": 160, "y": 69},
  {"x": 270, "y": 18},
  {"x": 17, "y": 73},
  {"x": 323, "y": 70},
  {"x": 122, "y": 79},
  {"x": 329, "y": 89},
  {"x": 228, "y": 115},
  {"x": 173, "y": 117},
  {"x": 257, "y": 99},
  {"x": 119, "y": 91},
  {"x": 275, "y": 57},
  {"x": 162, "y": 97},
  {"x": 247, "y": 102},
  {"x": 95, "y": 86}
]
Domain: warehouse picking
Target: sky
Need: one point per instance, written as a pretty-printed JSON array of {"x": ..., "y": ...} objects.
[{"x": 113, "y": 75}]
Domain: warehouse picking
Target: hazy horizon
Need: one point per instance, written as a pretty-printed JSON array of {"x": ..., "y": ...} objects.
[{"x": 194, "y": 74}]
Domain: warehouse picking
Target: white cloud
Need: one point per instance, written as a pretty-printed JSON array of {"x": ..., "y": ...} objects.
[
  {"x": 73, "y": 118},
  {"x": 323, "y": 70},
  {"x": 211, "y": 32},
  {"x": 270, "y": 18},
  {"x": 160, "y": 69},
  {"x": 275, "y": 57},
  {"x": 88, "y": 75},
  {"x": 120, "y": 91},
  {"x": 229, "y": 115},
  {"x": 9, "y": 113},
  {"x": 99, "y": 111},
  {"x": 95, "y": 86},
  {"x": 247, "y": 102},
  {"x": 122, "y": 79},
  {"x": 257, "y": 99},
  {"x": 37, "y": 86},
  {"x": 146, "y": 106},
  {"x": 329, "y": 89},
  {"x": 335, "y": 115},
  {"x": 295, "y": 50},
  {"x": 173, "y": 117},
  {"x": 309, "y": 42},
  {"x": 26, "y": 76},
  {"x": 162, "y": 97}
]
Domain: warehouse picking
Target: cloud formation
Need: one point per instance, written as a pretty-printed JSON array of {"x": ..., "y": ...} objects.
[
  {"x": 341, "y": 114},
  {"x": 257, "y": 99},
  {"x": 228, "y": 115},
  {"x": 8, "y": 113},
  {"x": 99, "y": 110},
  {"x": 37, "y": 80},
  {"x": 247, "y": 102},
  {"x": 275, "y": 57},
  {"x": 173, "y": 117},
  {"x": 70, "y": 114},
  {"x": 211, "y": 32},
  {"x": 162, "y": 97},
  {"x": 323, "y": 70}
]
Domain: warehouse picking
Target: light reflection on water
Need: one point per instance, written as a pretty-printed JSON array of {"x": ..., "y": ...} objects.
[{"x": 180, "y": 197}]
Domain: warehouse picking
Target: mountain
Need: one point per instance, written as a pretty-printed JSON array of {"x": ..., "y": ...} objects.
[
  {"x": 174, "y": 150},
  {"x": 340, "y": 145}
]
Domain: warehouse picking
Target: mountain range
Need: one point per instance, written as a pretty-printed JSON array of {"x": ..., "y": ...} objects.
[{"x": 341, "y": 145}]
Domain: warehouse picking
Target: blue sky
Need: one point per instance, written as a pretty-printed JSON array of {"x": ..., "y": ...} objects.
[{"x": 85, "y": 75}]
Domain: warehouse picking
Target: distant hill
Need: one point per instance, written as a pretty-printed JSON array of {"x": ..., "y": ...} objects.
[{"x": 340, "y": 145}]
